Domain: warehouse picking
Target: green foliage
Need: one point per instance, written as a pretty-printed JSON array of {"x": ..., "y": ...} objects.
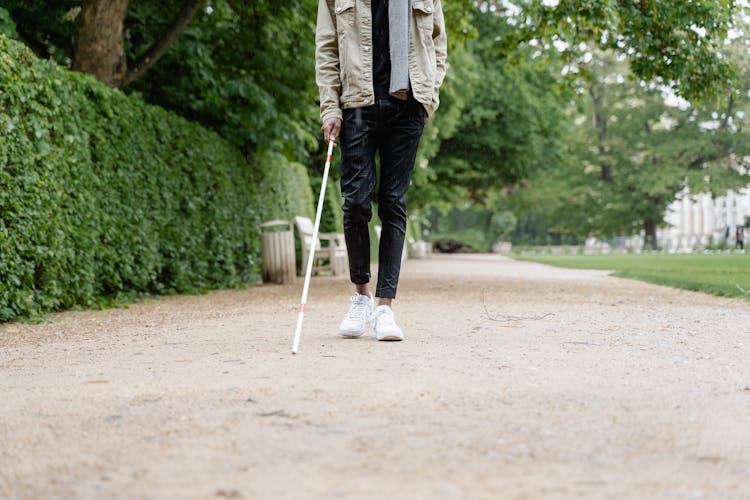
[
  {"x": 672, "y": 42},
  {"x": 630, "y": 154},
  {"x": 469, "y": 227},
  {"x": 236, "y": 70},
  {"x": 285, "y": 187},
  {"x": 103, "y": 197},
  {"x": 7, "y": 26},
  {"x": 49, "y": 28},
  {"x": 499, "y": 122},
  {"x": 724, "y": 275},
  {"x": 333, "y": 213},
  {"x": 502, "y": 224}
]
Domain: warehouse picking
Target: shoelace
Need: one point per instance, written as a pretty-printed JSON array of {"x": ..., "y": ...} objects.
[
  {"x": 384, "y": 316},
  {"x": 359, "y": 307}
]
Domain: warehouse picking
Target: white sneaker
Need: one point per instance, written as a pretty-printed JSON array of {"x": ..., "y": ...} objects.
[
  {"x": 355, "y": 321},
  {"x": 384, "y": 325}
]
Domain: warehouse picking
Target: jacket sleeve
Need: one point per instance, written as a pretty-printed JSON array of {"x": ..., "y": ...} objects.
[
  {"x": 327, "y": 64},
  {"x": 440, "y": 40}
]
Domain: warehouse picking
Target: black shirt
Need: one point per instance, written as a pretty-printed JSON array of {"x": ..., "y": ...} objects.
[{"x": 381, "y": 52}]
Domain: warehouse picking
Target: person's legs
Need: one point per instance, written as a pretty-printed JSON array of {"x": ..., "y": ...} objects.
[
  {"x": 398, "y": 149},
  {"x": 358, "y": 180}
]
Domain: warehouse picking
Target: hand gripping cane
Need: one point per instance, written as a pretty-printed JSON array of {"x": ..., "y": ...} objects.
[{"x": 311, "y": 255}]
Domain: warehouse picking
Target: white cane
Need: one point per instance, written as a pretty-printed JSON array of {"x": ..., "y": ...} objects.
[{"x": 311, "y": 255}]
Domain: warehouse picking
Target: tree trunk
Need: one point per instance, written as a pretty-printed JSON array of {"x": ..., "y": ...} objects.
[
  {"x": 99, "y": 48},
  {"x": 649, "y": 228},
  {"x": 730, "y": 111},
  {"x": 600, "y": 124}
]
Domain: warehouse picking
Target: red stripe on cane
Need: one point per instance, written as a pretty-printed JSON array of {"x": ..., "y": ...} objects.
[
  {"x": 328, "y": 159},
  {"x": 302, "y": 308}
]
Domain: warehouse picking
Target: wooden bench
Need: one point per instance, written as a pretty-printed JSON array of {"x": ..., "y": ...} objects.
[{"x": 335, "y": 253}]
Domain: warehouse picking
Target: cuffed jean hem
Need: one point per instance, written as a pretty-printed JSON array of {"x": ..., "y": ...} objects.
[{"x": 389, "y": 294}]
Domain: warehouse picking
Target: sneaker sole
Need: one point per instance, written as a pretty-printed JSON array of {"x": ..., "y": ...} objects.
[
  {"x": 391, "y": 338},
  {"x": 352, "y": 335}
]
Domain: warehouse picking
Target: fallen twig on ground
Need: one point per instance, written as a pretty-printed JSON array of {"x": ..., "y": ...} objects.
[{"x": 505, "y": 318}]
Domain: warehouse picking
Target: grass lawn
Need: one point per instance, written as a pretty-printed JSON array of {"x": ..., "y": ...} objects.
[{"x": 726, "y": 275}]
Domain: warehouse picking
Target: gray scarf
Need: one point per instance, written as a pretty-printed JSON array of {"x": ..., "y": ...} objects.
[{"x": 399, "y": 20}]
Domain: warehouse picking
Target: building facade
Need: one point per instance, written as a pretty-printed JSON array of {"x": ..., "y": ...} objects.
[{"x": 696, "y": 221}]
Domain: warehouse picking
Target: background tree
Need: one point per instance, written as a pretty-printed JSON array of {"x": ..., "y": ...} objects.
[
  {"x": 92, "y": 34},
  {"x": 632, "y": 153},
  {"x": 677, "y": 43},
  {"x": 99, "y": 48},
  {"x": 505, "y": 120}
]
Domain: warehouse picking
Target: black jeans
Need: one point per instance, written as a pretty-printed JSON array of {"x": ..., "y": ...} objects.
[{"x": 392, "y": 128}]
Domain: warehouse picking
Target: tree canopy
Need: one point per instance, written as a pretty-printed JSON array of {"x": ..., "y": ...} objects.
[{"x": 633, "y": 148}]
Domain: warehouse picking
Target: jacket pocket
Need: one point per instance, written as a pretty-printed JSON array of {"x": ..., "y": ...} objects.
[
  {"x": 347, "y": 33},
  {"x": 344, "y": 10},
  {"x": 423, "y": 11}
]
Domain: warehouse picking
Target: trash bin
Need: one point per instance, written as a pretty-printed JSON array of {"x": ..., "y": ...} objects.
[
  {"x": 277, "y": 252},
  {"x": 420, "y": 249}
]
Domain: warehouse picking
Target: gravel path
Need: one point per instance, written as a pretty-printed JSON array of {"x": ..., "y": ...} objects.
[{"x": 516, "y": 380}]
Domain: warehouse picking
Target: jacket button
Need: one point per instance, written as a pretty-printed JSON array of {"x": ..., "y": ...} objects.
[
  {"x": 429, "y": 9},
  {"x": 338, "y": 9},
  {"x": 366, "y": 101}
]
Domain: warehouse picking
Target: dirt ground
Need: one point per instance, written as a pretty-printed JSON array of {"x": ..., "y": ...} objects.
[{"x": 515, "y": 380}]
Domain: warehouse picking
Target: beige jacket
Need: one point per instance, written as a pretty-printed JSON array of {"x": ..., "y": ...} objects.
[{"x": 343, "y": 55}]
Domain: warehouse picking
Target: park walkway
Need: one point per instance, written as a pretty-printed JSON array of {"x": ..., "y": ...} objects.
[{"x": 516, "y": 380}]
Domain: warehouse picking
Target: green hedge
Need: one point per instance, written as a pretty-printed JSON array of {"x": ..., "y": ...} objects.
[
  {"x": 104, "y": 198},
  {"x": 285, "y": 187}
]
